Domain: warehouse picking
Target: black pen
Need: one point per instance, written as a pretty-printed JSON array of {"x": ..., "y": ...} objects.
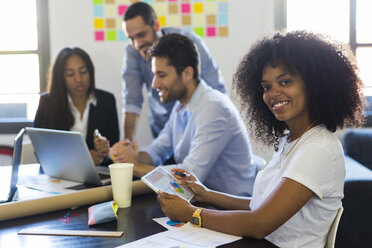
[{"x": 181, "y": 174}]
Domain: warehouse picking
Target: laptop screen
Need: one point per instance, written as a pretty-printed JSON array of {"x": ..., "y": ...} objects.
[
  {"x": 63, "y": 154},
  {"x": 9, "y": 175}
]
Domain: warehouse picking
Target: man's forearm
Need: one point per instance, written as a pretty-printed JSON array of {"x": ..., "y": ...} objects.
[
  {"x": 130, "y": 125},
  {"x": 144, "y": 158},
  {"x": 143, "y": 165},
  {"x": 139, "y": 169}
]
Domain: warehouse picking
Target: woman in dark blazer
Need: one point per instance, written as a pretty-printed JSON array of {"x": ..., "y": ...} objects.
[{"x": 73, "y": 103}]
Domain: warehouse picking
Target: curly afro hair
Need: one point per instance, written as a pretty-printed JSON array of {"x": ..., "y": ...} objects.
[{"x": 333, "y": 87}]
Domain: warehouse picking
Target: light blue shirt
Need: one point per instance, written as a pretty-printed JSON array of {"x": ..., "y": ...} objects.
[
  {"x": 208, "y": 138},
  {"x": 137, "y": 72}
]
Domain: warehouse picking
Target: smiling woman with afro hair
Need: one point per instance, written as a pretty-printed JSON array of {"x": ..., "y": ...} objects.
[
  {"x": 297, "y": 89},
  {"x": 332, "y": 84}
]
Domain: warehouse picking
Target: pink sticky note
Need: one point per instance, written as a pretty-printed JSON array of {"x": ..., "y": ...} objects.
[
  {"x": 211, "y": 31},
  {"x": 185, "y": 8},
  {"x": 122, "y": 9},
  {"x": 99, "y": 35}
]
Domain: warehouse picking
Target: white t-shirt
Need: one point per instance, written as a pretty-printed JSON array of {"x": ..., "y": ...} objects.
[{"x": 317, "y": 162}]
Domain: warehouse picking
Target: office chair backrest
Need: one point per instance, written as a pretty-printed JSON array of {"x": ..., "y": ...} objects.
[
  {"x": 331, "y": 238},
  {"x": 6, "y": 154}
]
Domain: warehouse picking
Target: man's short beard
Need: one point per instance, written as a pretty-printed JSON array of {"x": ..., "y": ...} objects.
[{"x": 147, "y": 57}]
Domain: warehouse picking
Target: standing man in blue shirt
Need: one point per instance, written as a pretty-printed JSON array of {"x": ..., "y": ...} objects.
[
  {"x": 142, "y": 27},
  {"x": 204, "y": 132}
]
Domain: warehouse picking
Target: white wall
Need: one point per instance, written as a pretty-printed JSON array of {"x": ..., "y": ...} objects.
[{"x": 71, "y": 25}]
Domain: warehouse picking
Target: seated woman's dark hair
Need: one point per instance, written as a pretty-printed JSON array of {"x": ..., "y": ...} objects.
[{"x": 333, "y": 87}]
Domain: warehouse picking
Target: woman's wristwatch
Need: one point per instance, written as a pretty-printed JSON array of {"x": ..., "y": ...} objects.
[{"x": 196, "y": 218}]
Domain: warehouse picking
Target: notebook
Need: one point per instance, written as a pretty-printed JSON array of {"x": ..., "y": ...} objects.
[
  {"x": 65, "y": 155},
  {"x": 9, "y": 174}
]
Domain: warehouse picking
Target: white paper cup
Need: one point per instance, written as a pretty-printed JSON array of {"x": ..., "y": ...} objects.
[{"x": 121, "y": 180}]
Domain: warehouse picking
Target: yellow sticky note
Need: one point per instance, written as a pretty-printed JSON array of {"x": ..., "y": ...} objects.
[
  {"x": 162, "y": 21},
  {"x": 198, "y": 7},
  {"x": 98, "y": 23}
]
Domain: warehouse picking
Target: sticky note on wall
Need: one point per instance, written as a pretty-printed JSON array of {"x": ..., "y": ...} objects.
[
  {"x": 99, "y": 36},
  {"x": 110, "y": 10},
  {"x": 160, "y": 9},
  {"x": 111, "y": 35},
  {"x": 211, "y": 31},
  {"x": 122, "y": 9},
  {"x": 174, "y": 21},
  {"x": 173, "y": 9},
  {"x": 198, "y": 8},
  {"x": 185, "y": 8},
  {"x": 210, "y": 7},
  {"x": 98, "y": 23},
  {"x": 98, "y": 10}
]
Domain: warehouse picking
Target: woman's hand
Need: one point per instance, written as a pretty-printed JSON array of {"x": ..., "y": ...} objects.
[
  {"x": 188, "y": 180},
  {"x": 102, "y": 145},
  {"x": 183, "y": 175},
  {"x": 175, "y": 207},
  {"x": 96, "y": 156}
]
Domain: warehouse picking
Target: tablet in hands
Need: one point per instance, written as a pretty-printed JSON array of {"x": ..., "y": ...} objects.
[{"x": 161, "y": 179}]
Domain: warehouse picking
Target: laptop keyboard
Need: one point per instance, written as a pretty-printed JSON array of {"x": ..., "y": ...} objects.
[{"x": 103, "y": 176}]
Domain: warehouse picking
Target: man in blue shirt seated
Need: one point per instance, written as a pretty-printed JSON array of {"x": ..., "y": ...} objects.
[
  {"x": 142, "y": 27},
  {"x": 204, "y": 132}
]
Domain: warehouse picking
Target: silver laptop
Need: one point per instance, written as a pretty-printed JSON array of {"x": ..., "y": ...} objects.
[
  {"x": 9, "y": 174},
  {"x": 65, "y": 155}
]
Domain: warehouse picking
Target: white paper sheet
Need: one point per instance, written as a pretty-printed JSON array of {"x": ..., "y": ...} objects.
[
  {"x": 47, "y": 184},
  {"x": 159, "y": 240},
  {"x": 202, "y": 237},
  {"x": 184, "y": 236},
  {"x": 167, "y": 223}
]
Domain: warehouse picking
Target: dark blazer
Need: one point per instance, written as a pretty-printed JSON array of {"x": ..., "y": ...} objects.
[{"x": 103, "y": 117}]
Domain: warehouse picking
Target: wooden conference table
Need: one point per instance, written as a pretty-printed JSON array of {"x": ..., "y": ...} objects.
[{"x": 136, "y": 223}]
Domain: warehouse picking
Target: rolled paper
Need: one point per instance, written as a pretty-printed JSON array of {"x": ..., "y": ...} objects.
[{"x": 12, "y": 210}]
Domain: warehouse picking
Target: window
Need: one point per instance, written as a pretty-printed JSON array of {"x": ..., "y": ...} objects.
[
  {"x": 345, "y": 20},
  {"x": 24, "y": 57},
  {"x": 361, "y": 39}
]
